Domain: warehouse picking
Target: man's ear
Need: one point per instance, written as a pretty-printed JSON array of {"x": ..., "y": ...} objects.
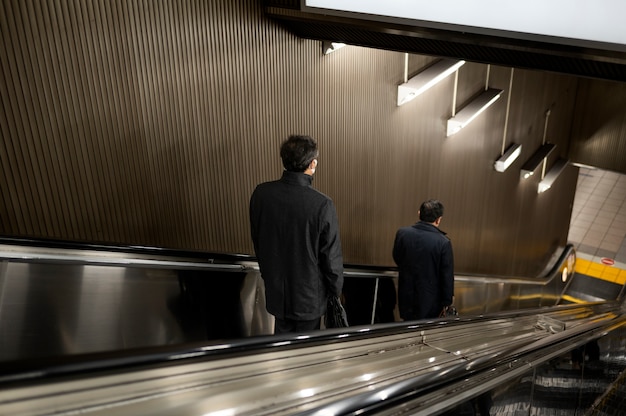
[
  {"x": 310, "y": 170},
  {"x": 437, "y": 221}
]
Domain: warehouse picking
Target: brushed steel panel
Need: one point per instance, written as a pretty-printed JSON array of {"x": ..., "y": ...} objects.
[{"x": 48, "y": 310}]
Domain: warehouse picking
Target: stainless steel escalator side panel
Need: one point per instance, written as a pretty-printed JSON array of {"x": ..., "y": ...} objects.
[
  {"x": 57, "y": 302},
  {"x": 66, "y": 309},
  {"x": 364, "y": 367}
]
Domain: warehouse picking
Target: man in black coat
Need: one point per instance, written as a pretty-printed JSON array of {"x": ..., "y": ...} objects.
[
  {"x": 425, "y": 262},
  {"x": 295, "y": 232}
]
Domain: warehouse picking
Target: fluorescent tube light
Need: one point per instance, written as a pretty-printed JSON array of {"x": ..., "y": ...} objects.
[
  {"x": 472, "y": 110},
  {"x": 508, "y": 157},
  {"x": 426, "y": 79},
  {"x": 535, "y": 160},
  {"x": 328, "y": 47},
  {"x": 558, "y": 167}
]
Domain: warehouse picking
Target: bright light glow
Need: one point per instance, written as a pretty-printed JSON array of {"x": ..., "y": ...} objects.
[
  {"x": 472, "y": 110},
  {"x": 543, "y": 187},
  {"x": 426, "y": 79},
  {"x": 528, "y": 169},
  {"x": 382, "y": 395},
  {"x": 307, "y": 393},
  {"x": 508, "y": 157},
  {"x": 216, "y": 347},
  {"x": 225, "y": 412},
  {"x": 564, "y": 274},
  {"x": 367, "y": 377},
  {"x": 187, "y": 355},
  {"x": 552, "y": 175},
  {"x": 329, "y": 47},
  {"x": 327, "y": 412}
]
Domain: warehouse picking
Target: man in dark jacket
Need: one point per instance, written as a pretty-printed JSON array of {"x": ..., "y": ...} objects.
[
  {"x": 295, "y": 232},
  {"x": 424, "y": 257}
]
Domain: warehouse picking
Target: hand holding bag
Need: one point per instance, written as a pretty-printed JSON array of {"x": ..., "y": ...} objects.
[
  {"x": 448, "y": 311},
  {"x": 335, "y": 314}
]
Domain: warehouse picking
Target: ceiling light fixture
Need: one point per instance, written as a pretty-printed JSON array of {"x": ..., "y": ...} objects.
[
  {"x": 426, "y": 79},
  {"x": 558, "y": 167},
  {"x": 536, "y": 159},
  {"x": 508, "y": 157},
  {"x": 329, "y": 47},
  {"x": 512, "y": 153},
  {"x": 472, "y": 110}
]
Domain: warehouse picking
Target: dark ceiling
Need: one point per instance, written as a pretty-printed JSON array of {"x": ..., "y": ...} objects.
[{"x": 578, "y": 61}]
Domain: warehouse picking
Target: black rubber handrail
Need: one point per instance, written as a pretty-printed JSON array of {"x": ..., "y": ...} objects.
[{"x": 50, "y": 367}]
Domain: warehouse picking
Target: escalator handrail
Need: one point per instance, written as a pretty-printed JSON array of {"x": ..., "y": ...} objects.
[
  {"x": 517, "y": 357},
  {"x": 542, "y": 280},
  {"x": 51, "y": 367},
  {"x": 402, "y": 390},
  {"x": 196, "y": 260}
]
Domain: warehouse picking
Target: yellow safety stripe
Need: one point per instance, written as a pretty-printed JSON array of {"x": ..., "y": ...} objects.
[{"x": 601, "y": 271}]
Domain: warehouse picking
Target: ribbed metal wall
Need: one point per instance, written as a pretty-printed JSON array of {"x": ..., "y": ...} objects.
[
  {"x": 132, "y": 122},
  {"x": 599, "y": 127},
  {"x": 150, "y": 123}
]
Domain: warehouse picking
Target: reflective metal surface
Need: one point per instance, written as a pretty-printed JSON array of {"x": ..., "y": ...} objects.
[
  {"x": 418, "y": 368},
  {"x": 64, "y": 301},
  {"x": 50, "y": 310},
  {"x": 71, "y": 324}
]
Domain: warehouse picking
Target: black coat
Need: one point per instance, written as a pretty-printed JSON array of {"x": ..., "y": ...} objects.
[
  {"x": 425, "y": 262},
  {"x": 295, "y": 232}
]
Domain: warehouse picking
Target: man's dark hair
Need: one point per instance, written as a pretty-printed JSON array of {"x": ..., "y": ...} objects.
[
  {"x": 431, "y": 210},
  {"x": 297, "y": 152}
]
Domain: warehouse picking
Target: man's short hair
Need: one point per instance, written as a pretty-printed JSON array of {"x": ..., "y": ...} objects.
[
  {"x": 431, "y": 210},
  {"x": 297, "y": 152}
]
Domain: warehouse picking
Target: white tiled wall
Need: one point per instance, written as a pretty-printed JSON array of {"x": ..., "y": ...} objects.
[{"x": 598, "y": 223}]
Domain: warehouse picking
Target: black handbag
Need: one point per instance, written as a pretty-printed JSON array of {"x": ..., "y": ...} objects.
[
  {"x": 448, "y": 312},
  {"x": 335, "y": 314}
]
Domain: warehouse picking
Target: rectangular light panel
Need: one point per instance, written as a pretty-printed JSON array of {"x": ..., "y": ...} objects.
[
  {"x": 472, "y": 110},
  {"x": 426, "y": 79},
  {"x": 552, "y": 175},
  {"x": 535, "y": 160},
  {"x": 508, "y": 157}
]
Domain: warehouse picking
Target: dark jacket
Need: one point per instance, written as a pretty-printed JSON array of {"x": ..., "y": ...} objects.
[
  {"x": 295, "y": 232},
  {"x": 425, "y": 262}
]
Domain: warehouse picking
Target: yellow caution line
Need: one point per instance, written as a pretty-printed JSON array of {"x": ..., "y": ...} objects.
[
  {"x": 600, "y": 271},
  {"x": 572, "y": 299}
]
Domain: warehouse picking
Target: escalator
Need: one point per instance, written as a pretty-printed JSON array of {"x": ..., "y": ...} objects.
[{"x": 510, "y": 361}]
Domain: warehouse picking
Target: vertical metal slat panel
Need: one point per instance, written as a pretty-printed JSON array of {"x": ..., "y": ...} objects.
[{"x": 142, "y": 122}]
